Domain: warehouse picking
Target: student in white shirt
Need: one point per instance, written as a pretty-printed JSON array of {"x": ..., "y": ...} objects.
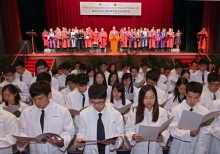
[
  {"x": 147, "y": 113},
  {"x": 76, "y": 70},
  {"x": 124, "y": 69},
  {"x": 56, "y": 95},
  {"x": 135, "y": 74},
  {"x": 103, "y": 68},
  {"x": 45, "y": 116},
  {"x": 90, "y": 72},
  {"x": 82, "y": 68},
  {"x": 143, "y": 60},
  {"x": 173, "y": 71},
  {"x": 212, "y": 92},
  {"x": 59, "y": 70},
  {"x": 193, "y": 66},
  {"x": 145, "y": 68},
  {"x": 189, "y": 141},
  {"x": 185, "y": 74},
  {"x": 41, "y": 66},
  {"x": 201, "y": 75},
  {"x": 66, "y": 68},
  {"x": 100, "y": 121},
  {"x": 167, "y": 70},
  {"x": 22, "y": 75},
  {"x": 71, "y": 85},
  {"x": 112, "y": 68},
  {"x": 10, "y": 96},
  {"x": 100, "y": 79},
  {"x": 9, "y": 126},
  {"x": 178, "y": 94},
  {"x": 10, "y": 78},
  {"x": 113, "y": 77}
]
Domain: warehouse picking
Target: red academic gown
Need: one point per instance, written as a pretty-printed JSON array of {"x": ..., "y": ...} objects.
[
  {"x": 68, "y": 39},
  {"x": 45, "y": 39},
  {"x": 88, "y": 39},
  {"x": 103, "y": 39},
  {"x": 58, "y": 39},
  {"x": 64, "y": 39},
  {"x": 152, "y": 39},
  {"x": 95, "y": 37},
  {"x": 170, "y": 39},
  {"x": 202, "y": 39},
  {"x": 124, "y": 39}
]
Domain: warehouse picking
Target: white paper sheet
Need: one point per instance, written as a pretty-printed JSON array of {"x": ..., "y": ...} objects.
[
  {"x": 11, "y": 108},
  {"x": 129, "y": 96},
  {"x": 124, "y": 108},
  {"x": 98, "y": 141},
  {"x": 139, "y": 84}
]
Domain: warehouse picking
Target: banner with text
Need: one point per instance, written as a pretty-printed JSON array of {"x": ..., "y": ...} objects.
[{"x": 110, "y": 8}]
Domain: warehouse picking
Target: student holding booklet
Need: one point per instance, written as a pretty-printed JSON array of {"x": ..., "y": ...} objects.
[
  {"x": 147, "y": 113},
  {"x": 45, "y": 116},
  {"x": 189, "y": 141},
  {"x": 99, "y": 122}
]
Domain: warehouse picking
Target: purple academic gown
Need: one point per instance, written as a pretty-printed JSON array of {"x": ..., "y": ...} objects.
[
  {"x": 52, "y": 40},
  {"x": 163, "y": 39},
  {"x": 158, "y": 39}
]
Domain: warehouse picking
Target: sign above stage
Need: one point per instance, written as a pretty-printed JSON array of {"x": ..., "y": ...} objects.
[{"x": 110, "y": 8}]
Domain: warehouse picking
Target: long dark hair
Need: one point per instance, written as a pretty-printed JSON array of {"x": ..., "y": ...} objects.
[
  {"x": 13, "y": 90},
  {"x": 89, "y": 69},
  {"x": 141, "y": 107},
  {"x": 109, "y": 68},
  {"x": 109, "y": 78},
  {"x": 127, "y": 76},
  {"x": 181, "y": 81},
  {"x": 120, "y": 88},
  {"x": 104, "y": 80}
]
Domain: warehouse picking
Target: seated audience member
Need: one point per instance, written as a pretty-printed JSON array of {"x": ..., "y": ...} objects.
[
  {"x": 76, "y": 70},
  {"x": 100, "y": 121},
  {"x": 90, "y": 71},
  {"x": 185, "y": 66},
  {"x": 135, "y": 74},
  {"x": 173, "y": 71},
  {"x": 113, "y": 77},
  {"x": 145, "y": 68},
  {"x": 124, "y": 69},
  {"x": 60, "y": 70},
  {"x": 193, "y": 66},
  {"x": 71, "y": 85},
  {"x": 56, "y": 95},
  {"x": 210, "y": 67},
  {"x": 45, "y": 116},
  {"x": 41, "y": 66},
  {"x": 112, "y": 68},
  {"x": 22, "y": 75},
  {"x": 10, "y": 78},
  {"x": 167, "y": 70},
  {"x": 66, "y": 68},
  {"x": 189, "y": 141},
  {"x": 103, "y": 68},
  {"x": 82, "y": 68},
  {"x": 185, "y": 74},
  {"x": 212, "y": 92},
  {"x": 143, "y": 60},
  {"x": 201, "y": 75},
  {"x": 148, "y": 113}
]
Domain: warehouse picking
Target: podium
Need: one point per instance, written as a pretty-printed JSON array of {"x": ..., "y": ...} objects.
[
  {"x": 114, "y": 42},
  {"x": 32, "y": 35}
]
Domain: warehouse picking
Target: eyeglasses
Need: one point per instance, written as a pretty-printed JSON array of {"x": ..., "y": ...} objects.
[
  {"x": 98, "y": 103},
  {"x": 215, "y": 85}
]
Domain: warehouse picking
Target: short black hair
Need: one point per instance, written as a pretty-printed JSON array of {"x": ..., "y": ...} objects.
[
  {"x": 144, "y": 60},
  {"x": 19, "y": 63},
  {"x": 9, "y": 69},
  {"x": 103, "y": 63},
  {"x": 82, "y": 79},
  {"x": 167, "y": 68},
  {"x": 82, "y": 67},
  {"x": 38, "y": 88},
  {"x": 13, "y": 90},
  {"x": 44, "y": 76},
  {"x": 59, "y": 67},
  {"x": 90, "y": 68},
  {"x": 71, "y": 78},
  {"x": 41, "y": 62},
  {"x": 177, "y": 61},
  {"x": 66, "y": 66},
  {"x": 213, "y": 77},
  {"x": 123, "y": 66},
  {"x": 153, "y": 74},
  {"x": 194, "y": 62},
  {"x": 144, "y": 64},
  {"x": 203, "y": 62},
  {"x": 134, "y": 67},
  {"x": 194, "y": 87},
  {"x": 77, "y": 62},
  {"x": 184, "y": 72},
  {"x": 185, "y": 65},
  {"x": 178, "y": 65},
  {"x": 97, "y": 91}
]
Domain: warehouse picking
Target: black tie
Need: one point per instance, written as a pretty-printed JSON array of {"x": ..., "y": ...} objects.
[
  {"x": 83, "y": 100},
  {"x": 42, "y": 120},
  {"x": 21, "y": 78},
  {"x": 100, "y": 135},
  {"x": 214, "y": 97},
  {"x": 134, "y": 80},
  {"x": 191, "y": 109},
  {"x": 202, "y": 77}
]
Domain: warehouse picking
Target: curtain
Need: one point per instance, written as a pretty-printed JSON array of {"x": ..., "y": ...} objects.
[
  {"x": 157, "y": 13},
  {"x": 10, "y": 25}
]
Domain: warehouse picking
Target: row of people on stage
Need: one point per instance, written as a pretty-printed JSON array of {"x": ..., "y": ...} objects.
[
  {"x": 155, "y": 94},
  {"x": 129, "y": 38}
]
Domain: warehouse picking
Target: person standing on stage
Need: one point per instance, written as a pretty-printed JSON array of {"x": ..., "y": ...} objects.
[
  {"x": 44, "y": 38},
  {"x": 64, "y": 38},
  {"x": 123, "y": 38},
  {"x": 158, "y": 39},
  {"x": 57, "y": 29},
  {"x": 95, "y": 37},
  {"x": 178, "y": 38},
  {"x": 88, "y": 38},
  {"x": 52, "y": 38},
  {"x": 144, "y": 38},
  {"x": 163, "y": 38},
  {"x": 202, "y": 37},
  {"x": 68, "y": 38},
  {"x": 80, "y": 40},
  {"x": 73, "y": 39},
  {"x": 151, "y": 38},
  {"x": 102, "y": 39},
  {"x": 131, "y": 40},
  {"x": 169, "y": 39},
  {"x": 138, "y": 39},
  {"x": 59, "y": 39}
]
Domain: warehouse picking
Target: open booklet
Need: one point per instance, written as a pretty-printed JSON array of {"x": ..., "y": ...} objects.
[
  {"x": 98, "y": 141},
  {"x": 11, "y": 108},
  {"x": 62, "y": 87},
  {"x": 150, "y": 133},
  {"x": 39, "y": 139},
  {"x": 124, "y": 108},
  {"x": 139, "y": 84},
  {"x": 129, "y": 96},
  {"x": 77, "y": 111},
  {"x": 193, "y": 121}
]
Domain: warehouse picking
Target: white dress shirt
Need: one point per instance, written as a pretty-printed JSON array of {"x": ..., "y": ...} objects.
[
  {"x": 192, "y": 71},
  {"x": 197, "y": 76},
  {"x": 66, "y": 91},
  {"x": 106, "y": 76},
  {"x": 172, "y": 82},
  {"x": 162, "y": 82},
  {"x": 62, "y": 80},
  {"x": 54, "y": 82},
  {"x": 207, "y": 97},
  {"x": 26, "y": 77},
  {"x": 75, "y": 71},
  {"x": 58, "y": 97}
]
